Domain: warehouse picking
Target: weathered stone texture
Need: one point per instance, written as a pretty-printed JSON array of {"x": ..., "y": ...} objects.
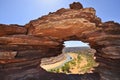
[
  {"x": 22, "y": 47},
  {"x": 12, "y": 29}
]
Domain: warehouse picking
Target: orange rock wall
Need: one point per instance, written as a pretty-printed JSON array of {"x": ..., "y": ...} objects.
[{"x": 44, "y": 37}]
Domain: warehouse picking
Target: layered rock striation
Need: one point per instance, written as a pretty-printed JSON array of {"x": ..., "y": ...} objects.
[{"x": 22, "y": 47}]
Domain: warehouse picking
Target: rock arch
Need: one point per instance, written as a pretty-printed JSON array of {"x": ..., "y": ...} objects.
[{"x": 44, "y": 37}]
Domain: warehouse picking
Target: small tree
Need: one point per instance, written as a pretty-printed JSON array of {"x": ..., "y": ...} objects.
[{"x": 57, "y": 71}]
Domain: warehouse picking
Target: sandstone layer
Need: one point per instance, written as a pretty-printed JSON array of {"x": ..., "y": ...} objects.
[{"x": 22, "y": 47}]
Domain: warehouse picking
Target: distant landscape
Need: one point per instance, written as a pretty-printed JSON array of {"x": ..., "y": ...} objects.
[
  {"x": 76, "y": 49},
  {"x": 73, "y": 60}
]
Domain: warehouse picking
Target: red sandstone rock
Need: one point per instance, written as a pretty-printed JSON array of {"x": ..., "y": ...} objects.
[
  {"x": 68, "y": 14},
  {"x": 69, "y": 27},
  {"x": 44, "y": 37},
  {"x": 26, "y": 40},
  {"x": 76, "y": 5},
  {"x": 7, "y": 55},
  {"x": 11, "y": 29}
]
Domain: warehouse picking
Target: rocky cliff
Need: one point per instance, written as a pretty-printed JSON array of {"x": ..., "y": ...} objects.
[{"x": 22, "y": 47}]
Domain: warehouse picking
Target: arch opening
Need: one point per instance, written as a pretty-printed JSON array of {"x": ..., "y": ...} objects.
[{"x": 77, "y": 58}]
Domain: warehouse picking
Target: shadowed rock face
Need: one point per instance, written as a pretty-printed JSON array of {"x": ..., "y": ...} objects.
[
  {"x": 76, "y": 5},
  {"x": 44, "y": 37}
]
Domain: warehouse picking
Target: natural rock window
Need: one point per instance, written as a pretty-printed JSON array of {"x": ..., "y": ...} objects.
[
  {"x": 76, "y": 58},
  {"x": 25, "y": 46}
]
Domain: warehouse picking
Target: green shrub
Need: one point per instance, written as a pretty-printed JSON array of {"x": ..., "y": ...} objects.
[{"x": 67, "y": 66}]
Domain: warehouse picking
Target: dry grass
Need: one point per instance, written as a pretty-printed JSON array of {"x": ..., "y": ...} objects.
[{"x": 81, "y": 63}]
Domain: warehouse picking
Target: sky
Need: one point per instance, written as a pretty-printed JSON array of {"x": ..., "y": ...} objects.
[{"x": 22, "y": 11}]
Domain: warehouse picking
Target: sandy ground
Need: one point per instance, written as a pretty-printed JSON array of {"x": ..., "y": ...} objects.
[
  {"x": 52, "y": 66},
  {"x": 73, "y": 55},
  {"x": 77, "y": 68}
]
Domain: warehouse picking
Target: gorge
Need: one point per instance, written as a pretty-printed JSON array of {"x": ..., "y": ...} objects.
[{"x": 22, "y": 47}]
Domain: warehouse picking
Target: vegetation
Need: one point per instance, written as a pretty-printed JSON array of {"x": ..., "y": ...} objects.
[{"x": 80, "y": 64}]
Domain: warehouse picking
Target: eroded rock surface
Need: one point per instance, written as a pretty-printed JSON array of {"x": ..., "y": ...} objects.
[
  {"x": 12, "y": 29},
  {"x": 44, "y": 37}
]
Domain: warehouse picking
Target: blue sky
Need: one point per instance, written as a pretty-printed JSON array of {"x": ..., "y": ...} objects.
[{"x": 22, "y": 11}]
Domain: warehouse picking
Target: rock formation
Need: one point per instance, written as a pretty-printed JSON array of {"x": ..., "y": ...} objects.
[{"x": 22, "y": 47}]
